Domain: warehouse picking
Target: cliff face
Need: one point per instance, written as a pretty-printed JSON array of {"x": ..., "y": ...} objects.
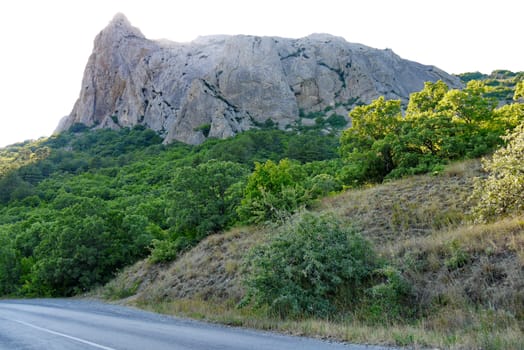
[{"x": 232, "y": 83}]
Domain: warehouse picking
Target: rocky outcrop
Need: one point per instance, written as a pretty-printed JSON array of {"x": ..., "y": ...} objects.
[{"x": 218, "y": 86}]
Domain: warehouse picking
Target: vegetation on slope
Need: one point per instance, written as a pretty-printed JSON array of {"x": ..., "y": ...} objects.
[
  {"x": 80, "y": 206},
  {"x": 77, "y": 207},
  {"x": 504, "y": 83},
  {"x": 465, "y": 280}
]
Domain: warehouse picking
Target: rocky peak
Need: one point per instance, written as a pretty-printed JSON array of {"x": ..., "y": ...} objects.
[
  {"x": 120, "y": 27},
  {"x": 218, "y": 86}
]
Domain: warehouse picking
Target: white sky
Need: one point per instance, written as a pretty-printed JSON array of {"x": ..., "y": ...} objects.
[{"x": 46, "y": 44}]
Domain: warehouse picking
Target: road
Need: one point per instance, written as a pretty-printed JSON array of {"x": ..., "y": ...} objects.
[{"x": 70, "y": 324}]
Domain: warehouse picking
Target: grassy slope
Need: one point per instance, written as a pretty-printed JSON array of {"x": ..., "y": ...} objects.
[{"x": 469, "y": 278}]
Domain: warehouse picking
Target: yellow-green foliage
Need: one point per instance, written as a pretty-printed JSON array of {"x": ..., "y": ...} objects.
[
  {"x": 501, "y": 193},
  {"x": 440, "y": 125},
  {"x": 519, "y": 91}
]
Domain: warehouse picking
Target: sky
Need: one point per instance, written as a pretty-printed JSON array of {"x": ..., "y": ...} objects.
[{"x": 46, "y": 44}]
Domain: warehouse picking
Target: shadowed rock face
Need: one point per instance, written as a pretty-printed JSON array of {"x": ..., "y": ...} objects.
[{"x": 232, "y": 83}]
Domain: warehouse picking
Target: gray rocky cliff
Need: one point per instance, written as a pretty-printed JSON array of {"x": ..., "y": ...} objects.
[{"x": 232, "y": 83}]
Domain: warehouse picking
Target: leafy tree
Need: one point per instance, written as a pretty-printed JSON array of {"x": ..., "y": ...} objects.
[
  {"x": 440, "y": 125},
  {"x": 13, "y": 187},
  {"x": 78, "y": 127},
  {"x": 9, "y": 263},
  {"x": 323, "y": 184},
  {"x": 204, "y": 197},
  {"x": 507, "y": 117},
  {"x": 366, "y": 146},
  {"x": 247, "y": 147},
  {"x": 371, "y": 123},
  {"x": 310, "y": 146},
  {"x": 273, "y": 191},
  {"x": 84, "y": 246},
  {"x": 426, "y": 100},
  {"x": 470, "y": 105},
  {"x": 466, "y": 77}
]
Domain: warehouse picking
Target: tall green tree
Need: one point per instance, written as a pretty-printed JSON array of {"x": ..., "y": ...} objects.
[
  {"x": 273, "y": 191},
  {"x": 370, "y": 123},
  {"x": 9, "y": 262},
  {"x": 203, "y": 198},
  {"x": 427, "y": 100},
  {"x": 470, "y": 105},
  {"x": 367, "y": 145}
]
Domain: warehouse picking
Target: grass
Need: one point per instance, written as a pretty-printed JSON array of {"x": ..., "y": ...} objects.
[
  {"x": 468, "y": 280},
  {"x": 412, "y": 207},
  {"x": 447, "y": 329},
  {"x": 210, "y": 270}
]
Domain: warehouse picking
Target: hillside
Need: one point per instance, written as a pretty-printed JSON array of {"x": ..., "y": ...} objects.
[
  {"x": 338, "y": 227},
  {"x": 219, "y": 86},
  {"x": 421, "y": 223},
  {"x": 503, "y": 82},
  {"x": 387, "y": 214}
]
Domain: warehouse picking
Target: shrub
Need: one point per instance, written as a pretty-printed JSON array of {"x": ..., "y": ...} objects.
[
  {"x": 500, "y": 193},
  {"x": 389, "y": 299},
  {"x": 205, "y": 128},
  {"x": 311, "y": 265},
  {"x": 78, "y": 127},
  {"x": 458, "y": 256},
  {"x": 163, "y": 251},
  {"x": 337, "y": 121}
]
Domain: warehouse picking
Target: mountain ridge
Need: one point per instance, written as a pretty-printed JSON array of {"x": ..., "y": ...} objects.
[{"x": 220, "y": 85}]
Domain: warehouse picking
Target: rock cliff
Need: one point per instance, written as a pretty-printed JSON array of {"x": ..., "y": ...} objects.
[{"x": 217, "y": 86}]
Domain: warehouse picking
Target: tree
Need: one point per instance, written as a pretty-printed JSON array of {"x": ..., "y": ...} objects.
[
  {"x": 311, "y": 146},
  {"x": 273, "y": 191},
  {"x": 84, "y": 246},
  {"x": 371, "y": 123},
  {"x": 367, "y": 145},
  {"x": 9, "y": 263},
  {"x": 469, "y": 105},
  {"x": 13, "y": 187},
  {"x": 204, "y": 198},
  {"x": 426, "y": 100}
]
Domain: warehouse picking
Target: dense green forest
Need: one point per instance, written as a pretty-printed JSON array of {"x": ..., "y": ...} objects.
[{"x": 77, "y": 207}]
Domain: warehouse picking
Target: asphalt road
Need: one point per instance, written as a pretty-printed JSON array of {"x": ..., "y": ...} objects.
[{"x": 56, "y": 324}]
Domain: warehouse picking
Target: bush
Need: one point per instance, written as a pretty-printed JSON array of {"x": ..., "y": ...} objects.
[
  {"x": 500, "y": 193},
  {"x": 337, "y": 121},
  {"x": 205, "y": 128},
  {"x": 312, "y": 265},
  {"x": 389, "y": 299},
  {"x": 163, "y": 251}
]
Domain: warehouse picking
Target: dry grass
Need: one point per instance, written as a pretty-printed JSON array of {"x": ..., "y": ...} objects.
[
  {"x": 210, "y": 270},
  {"x": 464, "y": 329},
  {"x": 407, "y": 208},
  {"x": 470, "y": 265}
]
